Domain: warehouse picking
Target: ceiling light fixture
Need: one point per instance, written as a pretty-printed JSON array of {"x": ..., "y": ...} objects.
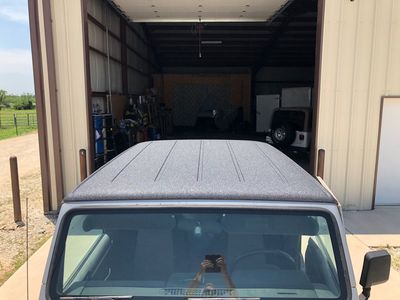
[
  {"x": 211, "y": 42},
  {"x": 199, "y": 29}
]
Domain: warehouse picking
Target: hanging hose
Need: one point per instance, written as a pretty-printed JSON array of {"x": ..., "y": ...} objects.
[{"x": 199, "y": 31}]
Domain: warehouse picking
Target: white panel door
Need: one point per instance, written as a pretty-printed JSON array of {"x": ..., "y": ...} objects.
[
  {"x": 388, "y": 175},
  {"x": 266, "y": 105}
]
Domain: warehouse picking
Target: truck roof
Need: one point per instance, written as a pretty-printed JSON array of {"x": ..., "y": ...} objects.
[{"x": 201, "y": 169}]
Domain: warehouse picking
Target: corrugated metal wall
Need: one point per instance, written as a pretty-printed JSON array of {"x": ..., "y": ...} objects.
[
  {"x": 103, "y": 45},
  {"x": 48, "y": 118},
  {"x": 138, "y": 67},
  {"x": 104, "y": 48},
  {"x": 71, "y": 87},
  {"x": 360, "y": 64},
  {"x": 61, "y": 30},
  {"x": 64, "y": 93}
]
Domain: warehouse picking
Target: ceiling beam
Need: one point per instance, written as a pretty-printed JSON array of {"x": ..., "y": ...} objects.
[
  {"x": 296, "y": 8},
  {"x": 234, "y": 37},
  {"x": 288, "y": 39},
  {"x": 162, "y": 29},
  {"x": 293, "y": 30}
]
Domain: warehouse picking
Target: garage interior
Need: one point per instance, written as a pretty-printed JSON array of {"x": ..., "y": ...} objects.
[{"x": 200, "y": 70}]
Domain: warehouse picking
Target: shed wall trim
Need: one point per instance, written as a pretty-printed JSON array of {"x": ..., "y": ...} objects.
[
  {"x": 54, "y": 111},
  {"x": 40, "y": 107}
]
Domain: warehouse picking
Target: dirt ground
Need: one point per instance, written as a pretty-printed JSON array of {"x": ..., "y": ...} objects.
[
  {"x": 395, "y": 253},
  {"x": 40, "y": 227}
]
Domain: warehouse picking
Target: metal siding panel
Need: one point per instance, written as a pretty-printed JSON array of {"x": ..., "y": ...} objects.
[
  {"x": 130, "y": 58},
  {"x": 113, "y": 22},
  {"x": 97, "y": 37},
  {"x": 102, "y": 74},
  {"x": 52, "y": 171},
  {"x": 71, "y": 86},
  {"x": 330, "y": 49},
  {"x": 93, "y": 70},
  {"x": 131, "y": 82},
  {"x": 347, "y": 35},
  {"x": 96, "y": 9},
  {"x": 357, "y": 130},
  {"x": 130, "y": 37},
  {"x": 393, "y": 75},
  {"x": 378, "y": 70},
  {"x": 360, "y": 63},
  {"x": 98, "y": 72},
  {"x": 116, "y": 77},
  {"x": 115, "y": 48},
  {"x": 327, "y": 91}
]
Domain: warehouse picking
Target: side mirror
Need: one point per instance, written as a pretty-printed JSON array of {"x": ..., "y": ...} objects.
[{"x": 376, "y": 270}]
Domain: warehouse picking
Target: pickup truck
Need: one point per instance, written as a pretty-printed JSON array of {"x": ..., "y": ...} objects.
[{"x": 204, "y": 219}]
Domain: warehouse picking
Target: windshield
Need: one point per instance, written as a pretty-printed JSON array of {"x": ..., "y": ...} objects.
[{"x": 185, "y": 254}]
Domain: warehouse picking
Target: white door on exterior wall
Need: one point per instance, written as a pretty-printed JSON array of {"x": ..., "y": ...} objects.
[{"x": 388, "y": 173}]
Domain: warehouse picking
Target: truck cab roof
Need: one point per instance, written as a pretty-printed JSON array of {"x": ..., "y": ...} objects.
[{"x": 201, "y": 169}]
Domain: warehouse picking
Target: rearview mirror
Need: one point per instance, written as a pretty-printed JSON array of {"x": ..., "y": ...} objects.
[{"x": 376, "y": 270}]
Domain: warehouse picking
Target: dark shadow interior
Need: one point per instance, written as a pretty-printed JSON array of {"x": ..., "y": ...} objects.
[{"x": 203, "y": 80}]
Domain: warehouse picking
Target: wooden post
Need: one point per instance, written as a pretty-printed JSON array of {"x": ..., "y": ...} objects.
[
  {"x": 321, "y": 163},
  {"x": 83, "y": 164},
  {"x": 15, "y": 189},
  {"x": 16, "y": 124}
]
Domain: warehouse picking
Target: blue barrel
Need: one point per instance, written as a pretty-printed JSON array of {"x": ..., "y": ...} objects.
[{"x": 98, "y": 126}]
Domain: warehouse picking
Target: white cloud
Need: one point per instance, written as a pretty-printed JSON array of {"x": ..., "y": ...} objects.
[
  {"x": 16, "y": 11},
  {"x": 15, "y": 61},
  {"x": 16, "y": 70}
]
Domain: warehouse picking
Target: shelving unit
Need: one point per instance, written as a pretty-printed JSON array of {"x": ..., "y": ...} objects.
[{"x": 104, "y": 140}]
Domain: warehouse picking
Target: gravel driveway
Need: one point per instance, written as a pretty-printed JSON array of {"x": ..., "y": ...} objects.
[{"x": 12, "y": 238}]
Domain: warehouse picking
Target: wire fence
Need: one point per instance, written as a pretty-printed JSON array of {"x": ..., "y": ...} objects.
[{"x": 19, "y": 121}]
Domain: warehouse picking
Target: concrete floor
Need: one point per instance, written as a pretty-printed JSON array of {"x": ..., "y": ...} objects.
[
  {"x": 375, "y": 228},
  {"x": 365, "y": 229},
  {"x": 15, "y": 288}
]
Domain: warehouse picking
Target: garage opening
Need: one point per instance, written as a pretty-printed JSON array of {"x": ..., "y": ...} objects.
[{"x": 201, "y": 69}]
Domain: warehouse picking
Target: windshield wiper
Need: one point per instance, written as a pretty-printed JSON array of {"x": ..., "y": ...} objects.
[{"x": 97, "y": 298}]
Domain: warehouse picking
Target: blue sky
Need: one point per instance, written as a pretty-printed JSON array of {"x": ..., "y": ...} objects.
[{"x": 16, "y": 75}]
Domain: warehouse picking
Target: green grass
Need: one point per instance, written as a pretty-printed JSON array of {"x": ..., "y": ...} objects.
[
  {"x": 20, "y": 259},
  {"x": 7, "y": 127},
  {"x": 10, "y": 132},
  {"x": 12, "y": 111}
]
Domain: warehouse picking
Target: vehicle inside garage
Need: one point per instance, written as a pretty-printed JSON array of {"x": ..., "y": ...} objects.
[{"x": 235, "y": 69}]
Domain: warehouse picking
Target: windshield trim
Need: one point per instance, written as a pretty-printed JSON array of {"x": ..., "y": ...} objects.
[{"x": 244, "y": 206}]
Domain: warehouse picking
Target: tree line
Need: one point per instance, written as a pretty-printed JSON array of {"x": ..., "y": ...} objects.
[{"x": 19, "y": 102}]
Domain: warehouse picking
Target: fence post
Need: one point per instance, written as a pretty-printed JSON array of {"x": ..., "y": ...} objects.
[
  {"x": 15, "y": 189},
  {"x": 321, "y": 163},
  {"x": 15, "y": 124},
  {"x": 83, "y": 164},
  {"x": 27, "y": 116}
]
